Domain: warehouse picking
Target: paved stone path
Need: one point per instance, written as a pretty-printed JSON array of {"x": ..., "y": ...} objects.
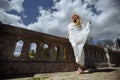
[{"x": 100, "y": 74}]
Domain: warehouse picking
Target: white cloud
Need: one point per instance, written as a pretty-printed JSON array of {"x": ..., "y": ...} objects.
[
  {"x": 106, "y": 25},
  {"x": 56, "y": 22},
  {"x": 53, "y": 22},
  {"x": 12, "y": 5},
  {"x": 8, "y": 18},
  {"x": 17, "y": 5},
  {"x": 5, "y": 4}
]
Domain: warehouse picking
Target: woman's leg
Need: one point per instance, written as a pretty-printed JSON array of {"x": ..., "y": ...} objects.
[{"x": 80, "y": 69}]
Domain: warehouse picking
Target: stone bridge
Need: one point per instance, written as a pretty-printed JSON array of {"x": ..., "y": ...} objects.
[{"x": 57, "y": 57}]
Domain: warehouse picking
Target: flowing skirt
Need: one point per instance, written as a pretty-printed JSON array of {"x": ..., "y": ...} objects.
[
  {"x": 77, "y": 40},
  {"x": 78, "y": 53}
]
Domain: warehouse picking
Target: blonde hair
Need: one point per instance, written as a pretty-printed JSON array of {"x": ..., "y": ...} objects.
[{"x": 78, "y": 20}]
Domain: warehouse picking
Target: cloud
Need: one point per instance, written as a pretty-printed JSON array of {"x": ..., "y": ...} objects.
[
  {"x": 12, "y": 5},
  {"x": 12, "y": 19},
  {"x": 5, "y": 4},
  {"x": 47, "y": 22},
  {"x": 106, "y": 24},
  {"x": 6, "y": 18},
  {"x": 17, "y": 5},
  {"x": 55, "y": 22}
]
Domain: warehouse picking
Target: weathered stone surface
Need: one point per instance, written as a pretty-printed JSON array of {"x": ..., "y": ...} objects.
[{"x": 100, "y": 74}]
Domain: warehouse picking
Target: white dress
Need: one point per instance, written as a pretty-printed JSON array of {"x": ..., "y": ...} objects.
[{"x": 77, "y": 38}]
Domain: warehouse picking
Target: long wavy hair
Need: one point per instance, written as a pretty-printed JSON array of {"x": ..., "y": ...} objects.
[{"x": 78, "y": 20}]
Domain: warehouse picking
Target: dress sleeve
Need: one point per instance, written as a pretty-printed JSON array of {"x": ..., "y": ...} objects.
[
  {"x": 68, "y": 31},
  {"x": 87, "y": 27},
  {"x": 83, "y": 34}
]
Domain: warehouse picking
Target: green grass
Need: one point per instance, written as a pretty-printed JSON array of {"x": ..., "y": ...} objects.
[{"x": 40, "y": 78}]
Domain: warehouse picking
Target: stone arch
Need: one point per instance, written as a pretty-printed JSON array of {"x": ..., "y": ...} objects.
[
  {"x": 32, "y": 51},
  {"x": 55, "y": 48},
  {"x": 46, "y": 46},
  {"x": 45, "y": 51},
  {"x": 18, "y": 48}
]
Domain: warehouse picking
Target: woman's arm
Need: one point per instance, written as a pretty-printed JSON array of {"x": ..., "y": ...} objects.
[
  {"x": 87, "y": 26},
  {"x": 89, "y": 22}
]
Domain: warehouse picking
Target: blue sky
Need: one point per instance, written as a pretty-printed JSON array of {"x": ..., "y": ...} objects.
[
  {"x": 53, "y": 16},
  {"x": 31, "y": 9}
]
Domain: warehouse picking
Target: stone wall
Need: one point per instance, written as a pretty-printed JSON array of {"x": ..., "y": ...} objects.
[{"x": 58, "y": 60}]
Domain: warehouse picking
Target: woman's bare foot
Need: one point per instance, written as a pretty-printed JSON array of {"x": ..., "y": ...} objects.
[{"x": 79, "y": 71}]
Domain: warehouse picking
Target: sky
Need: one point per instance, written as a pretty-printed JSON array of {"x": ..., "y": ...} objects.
[{"x": 53, "y": 16}]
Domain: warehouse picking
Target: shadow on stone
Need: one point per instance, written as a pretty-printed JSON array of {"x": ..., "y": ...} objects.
[
  {"x": 2, "y": 77},
  {"x": 100, "y": 70}
]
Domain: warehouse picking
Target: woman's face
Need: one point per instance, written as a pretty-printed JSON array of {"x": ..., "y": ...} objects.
[{"x": 74, "y": 17}]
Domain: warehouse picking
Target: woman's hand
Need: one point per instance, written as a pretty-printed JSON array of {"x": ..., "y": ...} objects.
[
  {"x": 89, "y": 22},
  {"x": 66, "y": 37}
]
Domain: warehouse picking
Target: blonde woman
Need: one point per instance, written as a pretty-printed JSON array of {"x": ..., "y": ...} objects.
[{"x": 77, "y": 35}]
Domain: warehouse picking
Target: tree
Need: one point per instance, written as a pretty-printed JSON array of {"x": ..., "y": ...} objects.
[
  {"x": 99, "y": 43},
  {"x": 32, "y": 53},
  {"x": 118, "y": 42}
]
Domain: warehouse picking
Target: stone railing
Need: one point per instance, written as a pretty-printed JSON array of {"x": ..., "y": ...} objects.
[
  {"x": 114, "y": 57},
  {"x": 95, "y": 56},
  {"x": 57, "y": 57},
  {"x": 61, "y": 59}
]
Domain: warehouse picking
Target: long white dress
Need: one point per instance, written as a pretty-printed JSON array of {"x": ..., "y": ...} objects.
[{"x": 77, "y": 38}]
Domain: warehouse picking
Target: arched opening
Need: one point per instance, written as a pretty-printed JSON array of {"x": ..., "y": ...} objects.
[
  {"x": 45, "y": 52},
  {"x": 33, "y": 47},
  {"x": 18, "y": 48},
  {"x": 65, "y": 53},
  {"x": 55, "y": 51},
  {"x": 45, "y": 46},
  {"x": 55, "y": 48}
]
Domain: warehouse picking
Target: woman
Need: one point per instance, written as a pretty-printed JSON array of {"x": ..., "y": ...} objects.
[{"x": 77, "y": 35}]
